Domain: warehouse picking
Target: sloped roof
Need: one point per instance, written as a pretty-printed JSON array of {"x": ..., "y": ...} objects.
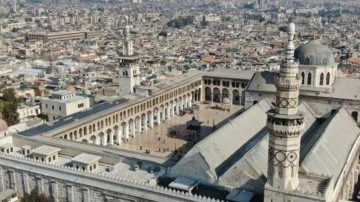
[
  {"x": 336, "y": 139},
  {"x": 214, "y": 152},
  {"x": 254, "y": 160}
]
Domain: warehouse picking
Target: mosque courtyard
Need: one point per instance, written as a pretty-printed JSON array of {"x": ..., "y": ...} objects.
[{"x": 172, "y": 135}]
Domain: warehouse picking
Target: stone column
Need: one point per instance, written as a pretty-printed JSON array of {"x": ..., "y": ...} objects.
[
  {"x": 133, "y": 128},
  {"x": 69, "y": 193},
  {"x": 54, "y": 190},
  {"x": 126, "y": 131},
  {"x": 231, "y": 98},
  {"x": 151, "y": 120},
  {"x": 97, "y": 140},
  {"x": 158, "y": 117},
  {"x": 140, "y": 125},
  {"x": 171, "y": 110},
  {"x": 168, "y": 112},
  {"x": 221, "y": 98},
  {"x": 181, "y": 104},
  {"x": 119, "y": 134},
  {"x": 145, "y": 122},
  {"x": 111, "y": 136},
  {"x": 26, "y": 183},
  {"x": 163, "y": 114},
  {"x": 103, "y": 140},
  {"x": 85, "y": 194},
  {"x": 202, "y": 95},
  {"x": 190, "y": 100}
]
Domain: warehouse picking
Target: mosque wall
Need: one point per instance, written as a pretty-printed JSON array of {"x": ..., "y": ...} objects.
[{"x": 63, "y": 183}]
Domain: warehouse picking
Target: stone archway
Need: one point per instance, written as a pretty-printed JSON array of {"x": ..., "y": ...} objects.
[
  {"x": 109, "y": 139},
  {"x": 225, "y": 93},
  {"x": 208, "y": 96},
  {"x": 216, "y": 95},
  {"x": 236, "y": 99},
  {"x": 93, "y": 139}
]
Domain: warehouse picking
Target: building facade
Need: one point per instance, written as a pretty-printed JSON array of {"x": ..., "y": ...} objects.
[{"x": 63, "y": 103}]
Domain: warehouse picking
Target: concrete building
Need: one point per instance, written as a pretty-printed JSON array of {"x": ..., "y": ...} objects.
[{"x": 64, "y": 103}]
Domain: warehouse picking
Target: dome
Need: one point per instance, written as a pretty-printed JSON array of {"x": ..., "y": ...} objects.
[
  {"x": 3, "y": 126},
  {"x": 314, "y": 53}
]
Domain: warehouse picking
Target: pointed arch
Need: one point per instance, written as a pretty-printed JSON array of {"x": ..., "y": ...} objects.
[
  {"x": 309, "y": 78},
  {"x": 302, "y": 78},
  {"x": 355, "y": 114},
  {"x": 328, "y": 78},
  {"x": 321, "y": 79}
]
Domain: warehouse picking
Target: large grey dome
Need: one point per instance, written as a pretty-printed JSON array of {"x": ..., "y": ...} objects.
[{"x": 314, "y": 53}]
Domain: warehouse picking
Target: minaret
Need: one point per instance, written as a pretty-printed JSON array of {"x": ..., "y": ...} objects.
[
  {"x": 129, "y": 70},
  {"x": 284, "y": 124}
]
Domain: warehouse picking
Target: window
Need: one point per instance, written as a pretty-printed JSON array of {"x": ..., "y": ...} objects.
[
  {"x": 80, "y": 105},
  {"x": 52, "y": 107},
  {"x": 309, "y": 79},
  {"x": 42, "y": 159},
  {"x": 54, "y": 157},
  {"x": 59, "y": 108},
  {"x": 46, "y": 105},
  {"x": 321, "y": 79},
  {"x": 94, "y": 166},
  {"x": 328, "y": 78},
  {"x": 49, "y": 159},
  {"x": 302, "y": 78}
]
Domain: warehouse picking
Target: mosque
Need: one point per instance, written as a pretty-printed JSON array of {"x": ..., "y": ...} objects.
[{"x": 297, "y": 140}]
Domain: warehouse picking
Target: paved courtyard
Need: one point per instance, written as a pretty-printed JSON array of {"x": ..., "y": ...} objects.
[{"x": 158, "y": 141}]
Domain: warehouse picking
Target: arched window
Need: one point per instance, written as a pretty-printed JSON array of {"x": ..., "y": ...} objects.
[
  {"x": 328, "y": 78},
  {"x": 355, "y": 114},
  {"x": 302, "y": 78},
  {"x": 321, "y": 79},
  {"x": 309, "y": 78}
]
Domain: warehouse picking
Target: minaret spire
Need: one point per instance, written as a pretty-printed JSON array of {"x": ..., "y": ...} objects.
[
  {"x": 128, "y": 49},
  {"x": 284, "y": 125}
]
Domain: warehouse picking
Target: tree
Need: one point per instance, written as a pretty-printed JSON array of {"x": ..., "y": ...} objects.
[
  {"x": 9, "y": 107},
  {"x": 35, "y": 196}
]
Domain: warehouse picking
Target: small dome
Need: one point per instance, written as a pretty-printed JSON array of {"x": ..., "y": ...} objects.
[
  {"x": 314, "y": 53},
  {"x": 3, "y": 126}
]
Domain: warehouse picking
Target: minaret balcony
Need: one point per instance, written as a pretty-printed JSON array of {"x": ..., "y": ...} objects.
[
  {"x": 284, "y": 131},
  {"x": 287, "y": 83}
]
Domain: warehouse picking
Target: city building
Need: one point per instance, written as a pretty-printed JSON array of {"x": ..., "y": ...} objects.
[{"x": 64, "y": 103}]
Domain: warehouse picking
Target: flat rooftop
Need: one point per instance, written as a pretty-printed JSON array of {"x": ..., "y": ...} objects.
[
  {"x": 86, "y": 158},
  {"x": 45, "y": 150}
]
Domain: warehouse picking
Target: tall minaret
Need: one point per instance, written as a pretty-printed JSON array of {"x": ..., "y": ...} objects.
[
  {"x": 129, "y": 70},
  {"x": 284, "y": 124}
]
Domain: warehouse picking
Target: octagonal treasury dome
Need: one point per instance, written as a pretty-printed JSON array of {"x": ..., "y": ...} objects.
[{"x": 314, "y": 53}]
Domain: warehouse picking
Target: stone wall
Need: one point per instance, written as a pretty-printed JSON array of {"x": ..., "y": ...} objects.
[{"x": 64, "y": 183}]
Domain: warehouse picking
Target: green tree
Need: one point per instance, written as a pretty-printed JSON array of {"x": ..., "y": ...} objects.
[
  {"x": 9, "y": 106},
  {"x": 35, "y": 196}
]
